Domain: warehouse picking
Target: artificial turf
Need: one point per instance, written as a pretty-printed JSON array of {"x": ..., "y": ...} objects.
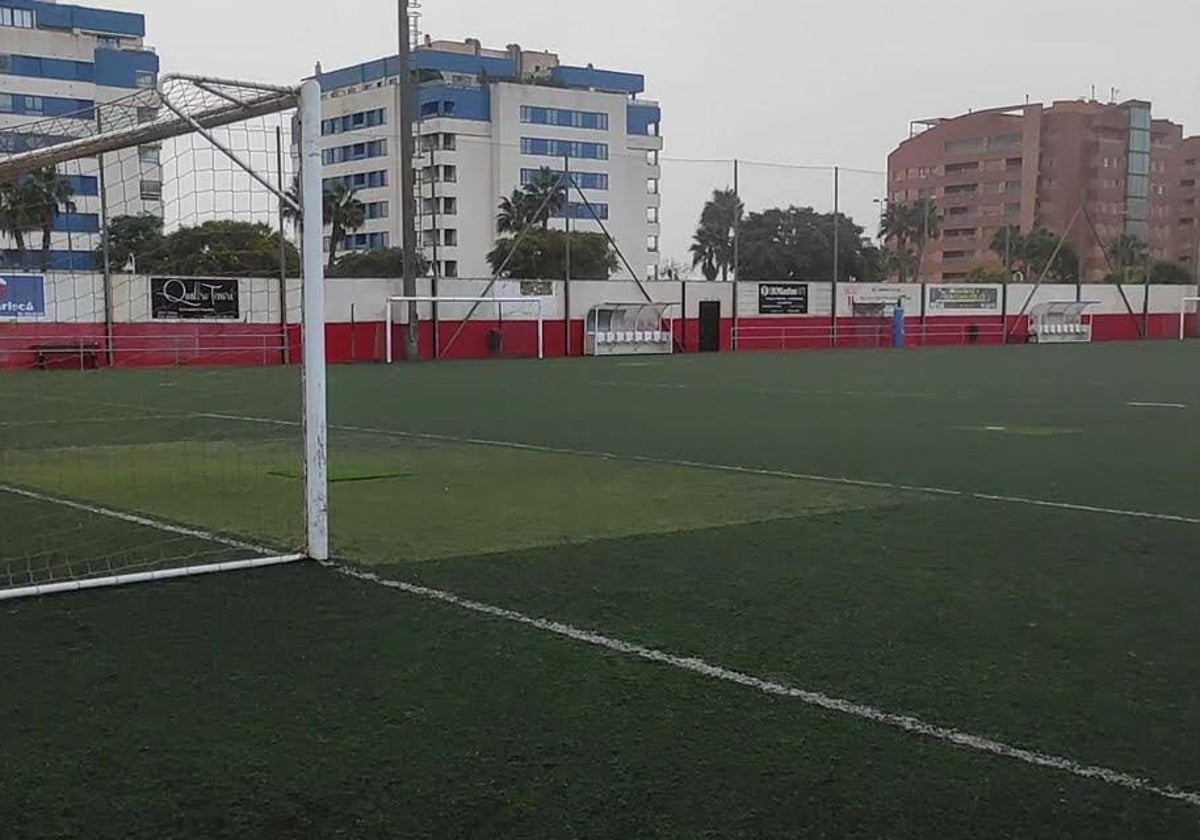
[{"x": 688, "y": 504}]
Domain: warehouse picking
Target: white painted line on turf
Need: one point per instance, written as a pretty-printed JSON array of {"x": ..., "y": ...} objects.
[
  {"x": 678, "y": 462},
  {"x": 157, "y": 524},
  {"x": 89, "y": 420},
  {"x": 1178, "y": 406},
  {"x": 906, "y": 723}
]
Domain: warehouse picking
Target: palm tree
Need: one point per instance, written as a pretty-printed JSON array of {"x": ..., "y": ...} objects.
[
  {"x": 16, "y": 216},
  {"x": 1128, "y": 252},
  {"x": 547, "y": 196},
  {"x": 906, "y": 226},
  {"x": 48, "y": 194},
  {"x": 514, "y": 213},
  {"x": 344, "y": 214},
  {"x": 712, "y": 245}
]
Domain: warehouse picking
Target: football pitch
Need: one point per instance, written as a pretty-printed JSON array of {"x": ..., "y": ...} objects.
[{"x": 869, "y": 594}]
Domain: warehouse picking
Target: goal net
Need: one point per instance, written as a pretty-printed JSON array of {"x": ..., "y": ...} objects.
[
  {"x": 506, "y": 324},
  {"x": 155, "y": 421},
  {"x": 1189, "y": 318}
]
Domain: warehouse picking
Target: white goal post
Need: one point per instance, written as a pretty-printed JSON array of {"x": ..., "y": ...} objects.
[
  {"x": 181, "y": 109},
  {"x": 1189, "y": 307},
  {"x": 392, "y": 303}
]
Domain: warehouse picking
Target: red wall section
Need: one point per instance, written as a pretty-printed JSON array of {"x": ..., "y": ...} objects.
[{"x": 215, "y": 344}]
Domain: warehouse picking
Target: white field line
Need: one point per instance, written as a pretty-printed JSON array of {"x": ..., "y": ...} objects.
[
  {"x": 137, "y": 520},
  {"x": 89, "y": 420},
  {"x": 730, "y": 468},
  {"x": 906, "y": 723},
  {"x": 1178, "y": 406}
]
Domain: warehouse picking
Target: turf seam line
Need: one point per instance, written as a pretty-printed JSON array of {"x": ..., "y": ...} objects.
[
  {"x": 758, "y": 471},
  {"x": 906, "y": 723}
]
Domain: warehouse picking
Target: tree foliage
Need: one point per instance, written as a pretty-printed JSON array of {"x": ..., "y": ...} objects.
[
  {"x": 380, "y": 263},
  {"x": 1168, "y": 273},
  {"x": 713, "y": 243},
  {"x": 908, "y": 229},
  {"x": 534, "y": 204},
  {"x": 33, "y": 203},
  {"x": 798, "y": 243},
  {"x": 133, "y": 241},
  {"x": 1033, "y": 254},
  {"x": 541, "y": 255},
  {"x": 220, "y": 248}
]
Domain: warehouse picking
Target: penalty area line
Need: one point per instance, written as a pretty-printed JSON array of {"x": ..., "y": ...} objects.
[
  {"x": 731, "y": 468},
  {"x": 905, "y": 723}
]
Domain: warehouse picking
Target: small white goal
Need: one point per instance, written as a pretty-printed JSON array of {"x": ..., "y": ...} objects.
[
  {"x": 459, "y": 311},
  {"x": 1189, "y": 320}
]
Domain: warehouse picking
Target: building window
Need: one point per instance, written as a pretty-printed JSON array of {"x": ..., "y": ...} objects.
[
  {"x": 151, "y": 190},
  {"x": 584, "y": 180},
  {"x": 652, "y": 186},
  {"x": 17, "y": 18},
  {"x": 652, "y": 157},
  {"x": 449, "y": 206},
  {"x": 652, "y": 242},
  {"x": 355, "y": 151},
  {"x": 563, "y": 148},
  {"x": 450, "y": 174},
  {"x": 450, "y": 268},
  {"x": 149, "y": 154},
  {"x": 34, "y": 105},
  {"x": 652, "y": 215},
  {"x": 375, "y": 209},
  {"x": 564, "y": 118},
  {"x": 449, "y": 142},
  {"x": 145, "y": 79},
  {"x": 6, "y": 103},
  {"x": 146, "y": 113},
  {"x": 354, "y": 122},
  {"x": 450, "y": 238},
  {"x": 581, "y": 210}
]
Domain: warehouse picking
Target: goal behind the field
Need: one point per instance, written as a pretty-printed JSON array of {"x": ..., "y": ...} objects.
[{"x": 152, "y": 300}]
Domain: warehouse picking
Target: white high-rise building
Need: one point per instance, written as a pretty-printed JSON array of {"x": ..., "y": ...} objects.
[
  {"x": 489, "y": 121},
  {"x": 58, "y": 62}
]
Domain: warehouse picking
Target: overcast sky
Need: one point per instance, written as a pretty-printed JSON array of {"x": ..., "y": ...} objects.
[{"x": 771, "y": 80}]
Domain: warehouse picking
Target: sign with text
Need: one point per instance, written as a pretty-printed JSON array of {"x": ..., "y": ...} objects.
[
  {"x": 194, "y": 298},
  {"x": 959, "y": 298},
  {"x": 782, "y": 298},
  {"x": 22, "y": 296}
]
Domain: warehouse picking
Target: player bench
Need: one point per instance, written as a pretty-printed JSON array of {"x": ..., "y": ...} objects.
[{"x": 68, "y": 355}]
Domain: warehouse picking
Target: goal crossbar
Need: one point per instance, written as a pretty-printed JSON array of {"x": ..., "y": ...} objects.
[
  {"x": 263, "y": 100},
  {"x": 476, "y": 301},
  {"x": 1194, "y": 304}
]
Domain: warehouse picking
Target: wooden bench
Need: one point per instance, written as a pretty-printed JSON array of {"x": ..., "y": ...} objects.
[{"x": 72, "y": 355}]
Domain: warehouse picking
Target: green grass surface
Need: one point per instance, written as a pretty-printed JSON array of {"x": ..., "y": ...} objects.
[{"x": 676, "y": 504}]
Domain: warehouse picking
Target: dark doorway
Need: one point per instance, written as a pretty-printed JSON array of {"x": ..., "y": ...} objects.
[{"x": 710, "y": 326}]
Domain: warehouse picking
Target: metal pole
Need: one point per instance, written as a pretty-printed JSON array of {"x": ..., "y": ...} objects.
[
  {"x": 283, "y": 313},
  {"x": 434, "y": 285},
  {"x": 408, "y": 213},
  {"x": 737, "y": 267},
  {"x": 106, "y": 257},
  {"x": 567, "y": 261},
  {"x": 316, "y": 429},
  {"x": 837, "y": 194}
]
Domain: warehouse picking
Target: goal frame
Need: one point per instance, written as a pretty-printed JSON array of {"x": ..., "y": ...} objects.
[
  {"x": 1183, "y": 314},
  {"x": 478, "y": 301},
  {"x": 267, "y": 100}
]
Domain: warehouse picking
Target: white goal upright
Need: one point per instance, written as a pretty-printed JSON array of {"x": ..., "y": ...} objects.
[
  {"x": 155, "y": 249},
  {"x": 1189, "y": 318}
]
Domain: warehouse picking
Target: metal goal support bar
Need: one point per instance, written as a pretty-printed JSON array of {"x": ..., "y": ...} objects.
[{"x": 476, "y": 302}]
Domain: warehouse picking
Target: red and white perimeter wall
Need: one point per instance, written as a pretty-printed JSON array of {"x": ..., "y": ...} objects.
[{"x": 757, "y": 316}]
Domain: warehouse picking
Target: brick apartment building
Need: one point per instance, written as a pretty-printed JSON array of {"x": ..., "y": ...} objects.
[{"x": 1035, "y": 165}]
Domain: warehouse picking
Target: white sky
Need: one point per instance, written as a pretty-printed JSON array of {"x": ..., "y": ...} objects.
[{"x": 792, "y": 81}]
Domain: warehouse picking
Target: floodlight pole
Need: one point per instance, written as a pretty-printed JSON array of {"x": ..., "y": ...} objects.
[
  {"x": 567, "y": 260},
  {"x": 408, "y": 233}
]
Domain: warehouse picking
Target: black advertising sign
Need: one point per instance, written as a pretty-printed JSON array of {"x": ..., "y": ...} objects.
[
  {"x": 783, "y": 299},
  {"x": 194, "y": 298}
]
